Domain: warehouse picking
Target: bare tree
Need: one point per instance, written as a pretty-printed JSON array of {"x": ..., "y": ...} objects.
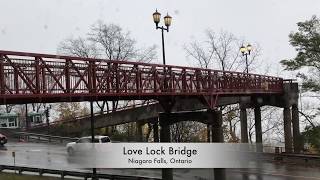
[
  {"x": 220, "y": 51},
  {"x": 7, "y": 108},
  {"x": 231, "y": 117},
  {"x": 107, "y": 41},
  {"x": 110, "y": 42},
  {"x": 117, "y": 44},
  {"x": 270, "y": 120},
  {"x": 79, "y": 47}
]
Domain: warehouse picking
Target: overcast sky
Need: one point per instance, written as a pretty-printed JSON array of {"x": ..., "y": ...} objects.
[{"x": 39, "y": 25}]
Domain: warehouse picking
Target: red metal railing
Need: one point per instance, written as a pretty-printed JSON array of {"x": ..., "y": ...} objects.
[{"x": 30, "y": 77}]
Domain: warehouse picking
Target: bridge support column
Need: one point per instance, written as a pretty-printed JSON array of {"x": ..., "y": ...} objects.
[
  {"x": 155, "y": 132},
  {"x": 94, "y": 170},
  {"x": 244, "y": 125},
  {"x": 217, "y": 136},
  {"x": 217, "y": 131},
  {"x": 287, "y": 129},
  {"x": 139, "y": 132},
  {"x": 27, "y": 119},
  {"x": 165, "y": 136},
  {"x": 258, "y": 129},
  {"x": 297, "y": 142},
  {"x": 209, "y": 130}
]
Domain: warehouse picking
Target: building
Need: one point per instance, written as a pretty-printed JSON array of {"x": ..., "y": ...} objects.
[
  {"x": 9, "y": 120},
  {"x": 13, "y": 120},
  {"x": 36, "y": 118}
]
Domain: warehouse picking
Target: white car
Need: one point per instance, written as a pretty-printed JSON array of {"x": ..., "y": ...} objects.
[{"x": 73, "y": 147}]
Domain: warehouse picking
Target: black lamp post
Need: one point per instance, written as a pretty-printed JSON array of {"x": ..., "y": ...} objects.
[
  {"x": 167, "y": 23},
  {"x": 166, "y": 173},
  {"x": 245, "y": 50}
]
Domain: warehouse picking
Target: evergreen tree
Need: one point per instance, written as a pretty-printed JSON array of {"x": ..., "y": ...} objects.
[{"x": 306, "y": 41}]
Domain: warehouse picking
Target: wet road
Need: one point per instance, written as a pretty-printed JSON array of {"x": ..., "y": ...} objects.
[{"x": 55, "y": 157}]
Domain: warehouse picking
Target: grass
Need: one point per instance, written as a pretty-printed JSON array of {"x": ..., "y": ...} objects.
[{"x": 12, "y": 176}]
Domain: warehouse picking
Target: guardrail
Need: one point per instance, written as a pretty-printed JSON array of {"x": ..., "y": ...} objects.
[
  {"x": 63, "y": 173},
  {"x": 28, "y": 136},
  {"x": 305, "y": 156}
]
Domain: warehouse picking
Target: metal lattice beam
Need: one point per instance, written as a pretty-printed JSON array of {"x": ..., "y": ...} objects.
[{"x": 30, "y": 77}]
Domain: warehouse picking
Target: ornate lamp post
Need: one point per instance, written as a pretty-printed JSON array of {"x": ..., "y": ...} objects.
[
  {"x": 167, "y": 23},
  {"x": 245, "y": 50},
  {"x": 166, "y": 173}
]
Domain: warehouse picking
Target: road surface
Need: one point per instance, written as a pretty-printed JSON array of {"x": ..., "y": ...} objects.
[{"x": 51, "y": 156}]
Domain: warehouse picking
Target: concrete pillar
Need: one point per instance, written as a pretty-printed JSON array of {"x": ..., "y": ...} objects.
[
  {"x": 209, "y": 133},
  {"x": 287, "y": 129},
  {"x": 297, "y": 142},
  {"x": 217, "y": 136},
  {"x": 164, "y": 129},
  {"x": 27, "y": 119},
  {"x": 165, "y": 136},
  {"x": 257, "y": 119},
  {"x": 217, "y": 131},
  {"x": 139, "y": 132},
  {"x": 244, "y": 125},
  {"x": 155, "y": 132}
]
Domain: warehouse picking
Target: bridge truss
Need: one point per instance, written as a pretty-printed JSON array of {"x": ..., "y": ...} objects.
[{"x": 31, "y": 77}]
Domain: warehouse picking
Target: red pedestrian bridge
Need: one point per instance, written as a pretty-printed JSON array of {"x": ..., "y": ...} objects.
[
  {"x": 43, "y": 78},
  {"x": 31, "y": 77}
]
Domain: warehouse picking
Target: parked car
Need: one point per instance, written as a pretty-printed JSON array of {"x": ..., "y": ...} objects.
[
  {"x": 73, "y": 148},
  {"x": 3, "y": 139}
]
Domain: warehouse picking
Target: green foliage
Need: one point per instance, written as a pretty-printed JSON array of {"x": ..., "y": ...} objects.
[
  {"x": 312, "y": 136},
  {"x": 72, "y": 110},
  {"x": 122, "y": 136},
  {"x": 307, "y": 44},
  {"x": 188, "y": 131}
]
